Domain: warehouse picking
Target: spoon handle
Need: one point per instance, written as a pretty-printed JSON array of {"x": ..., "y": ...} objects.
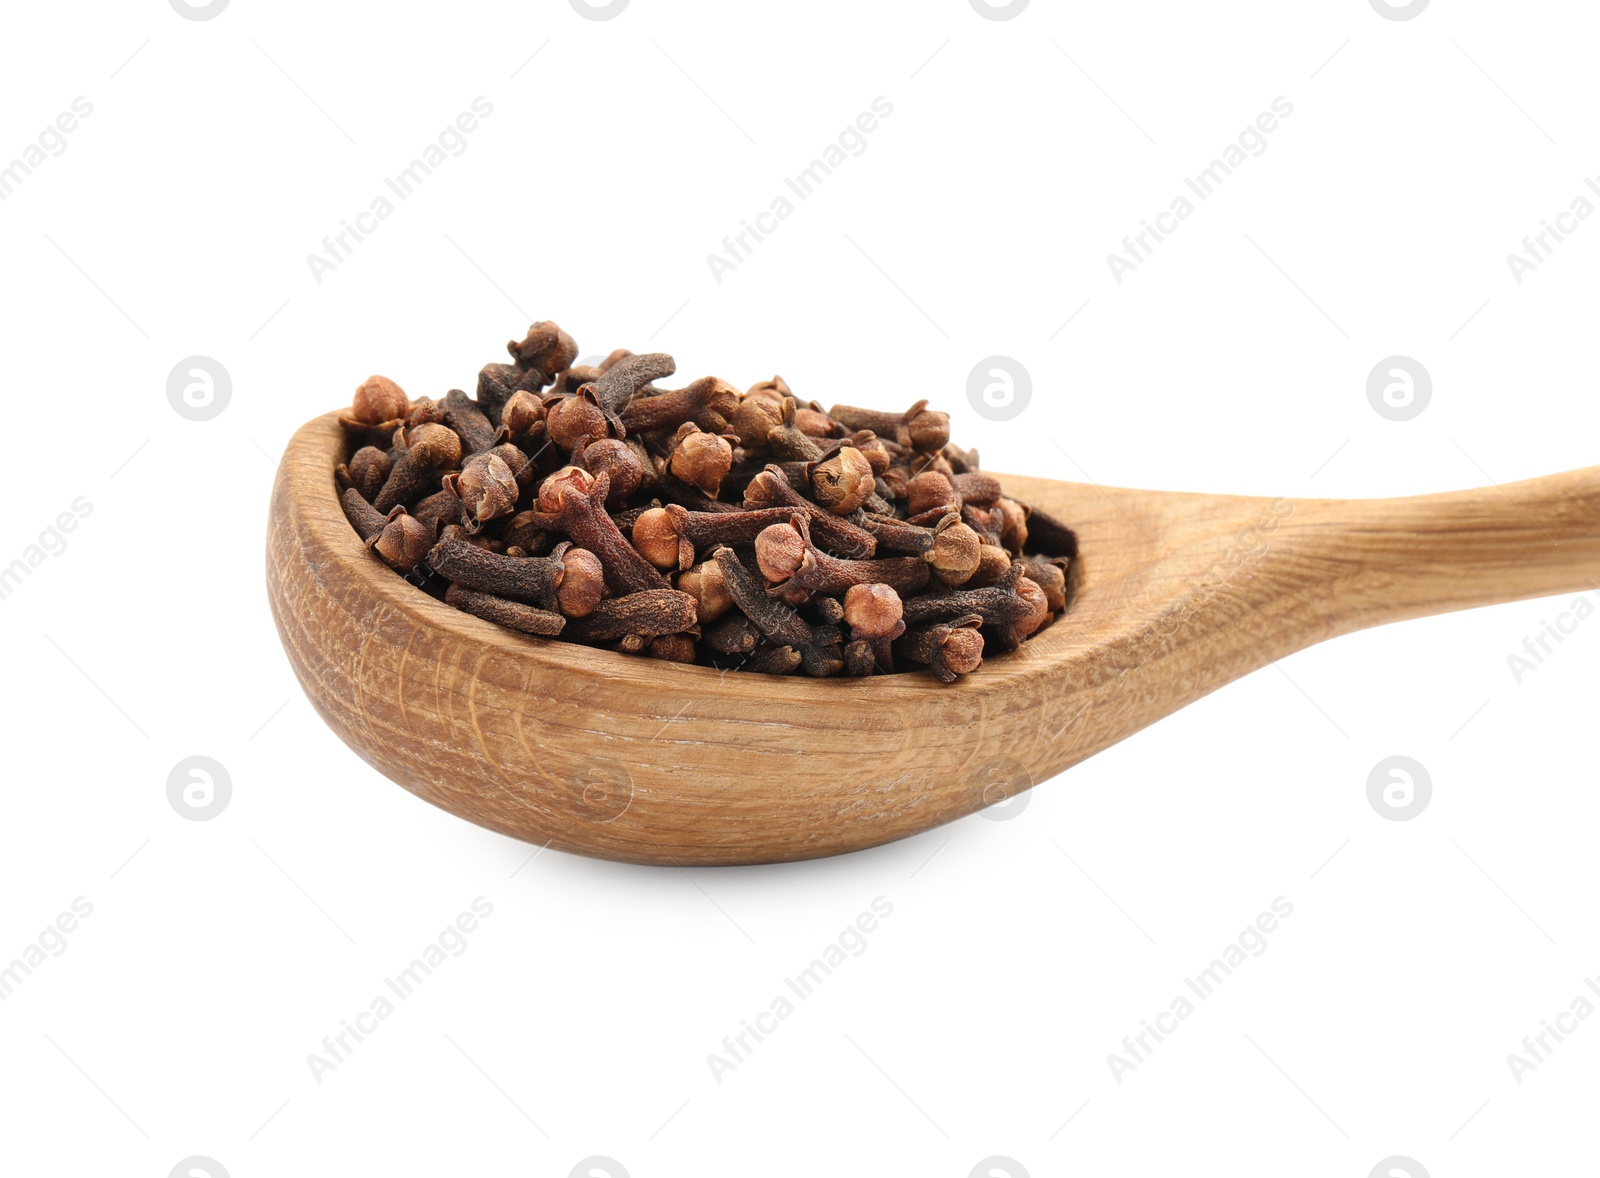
[{"x": 1385, "y": 560}]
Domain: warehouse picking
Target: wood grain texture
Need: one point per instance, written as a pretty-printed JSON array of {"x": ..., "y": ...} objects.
[{"x": 650, "y": 762}]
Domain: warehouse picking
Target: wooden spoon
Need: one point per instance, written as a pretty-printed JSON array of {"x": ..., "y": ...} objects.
[{"x": 645, "y": 761}]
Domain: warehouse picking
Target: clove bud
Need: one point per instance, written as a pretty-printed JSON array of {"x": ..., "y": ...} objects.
[
  {"x": 843, "y": 482},
  {"x": 700, "y": 459},
  {"x": 379, "y": 399},
  {"x": 426, "y": 453},
  {"x": 402, "y": 542},
  {"x": 486, "y": 488}
]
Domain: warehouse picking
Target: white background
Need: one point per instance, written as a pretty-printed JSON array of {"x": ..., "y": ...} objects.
[{"x": 978, "y": 1020}]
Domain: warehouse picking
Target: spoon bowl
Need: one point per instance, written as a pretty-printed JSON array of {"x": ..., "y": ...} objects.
[{"x": 645, "y": 761}]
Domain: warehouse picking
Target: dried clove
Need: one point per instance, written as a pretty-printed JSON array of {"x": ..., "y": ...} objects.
[
  {"x": 789, "y": 559},
  {"x": 700, "y": 459},
  {"x": 1013, "y": 523},
  {"x": 751, "y": 531},
  {"x": 669, "y": 536},
  {"x": 569, "y": 579},
  {"x": 579, "y": 511},
  {"x": 572, "y": 421},
  {"x": 648, "y": 614},
  {"x": 835, "y": 534},
  {"x": 818, "y": 647},
  {"x": 918, "y": 428},
  {"x": 402, "y": 542},
  {"x": 522, "y": 531},
  {"x": 875, "y": 616},
  {"x": 512, "y": 614},
  {"x": 732, "y": 634},
  {"x": 775, "y": 660},
  {"x": 366, "y": 519},
  {"x": 426, "y": 452},
  {"x": 957, "y": 551},
  {"x": 949, "y": 649},
  {"x": 620, "y": 463},
  {"x": 1012, "y": 609},
  {"x": 704, "y": 583},
  {"x": 786, "y": 442},
  {"x": 377, "y": 409},
  {"x": 462, "y": 414},
  {"x": 620, "y": 382},
  {"x": 843, "y": 481},
  {"x": 977, "y": 488},
  {"x": 708, "y": 402},
  {"x": 673, "y": 648},
  {"x": 521, "y": 415},
  {"x": 993, "y": 565},
  {"x": 815, "y": 424},
  {"x": 757, "y": 416},
  {"x": 1050, "y": 574},
  {"x": 895, "y": 536},
  {"x": 440, "y": 509},
  {"x": 369, "y": 469},
  {"x": 542, "y": 353},
  {"x": 486, "y": 487},
  {"x": 930, "y": 496},
  {"x": 379, "y": 399}
]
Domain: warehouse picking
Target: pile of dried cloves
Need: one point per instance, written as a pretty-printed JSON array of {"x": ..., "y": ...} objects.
[{"x": 741, "y": 530}]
